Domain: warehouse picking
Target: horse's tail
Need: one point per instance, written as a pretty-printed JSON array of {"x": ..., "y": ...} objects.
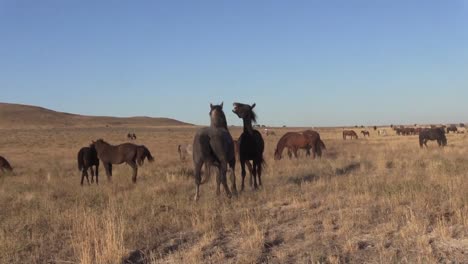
[
  {"x": 148, "y": 155},
  {"x": 207, "y": 174},
  {"x": 319, "y": 146},
  {"x": 80, "y": 160}
]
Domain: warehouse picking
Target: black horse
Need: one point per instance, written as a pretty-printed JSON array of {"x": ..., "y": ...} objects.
[
  {"x": 432, "y": 134},
  {"x": 87, "y": 158},
  {"x": 251, "y": 144}
]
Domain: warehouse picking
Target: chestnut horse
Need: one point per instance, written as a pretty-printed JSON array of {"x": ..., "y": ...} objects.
[
  {"x": 365, "y": 133},
  {"x": 349, "y": 133},
  {"x": 294, "y": 141}
]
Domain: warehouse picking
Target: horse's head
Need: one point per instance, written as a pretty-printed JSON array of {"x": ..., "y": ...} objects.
[
  {"x": 245, "y": 111},
  {"x": 277, "y": 154},
  {"x": 218, "y": 119}
]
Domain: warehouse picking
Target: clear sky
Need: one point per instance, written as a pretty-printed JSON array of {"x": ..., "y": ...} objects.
[{"x": 308, "y": 63}]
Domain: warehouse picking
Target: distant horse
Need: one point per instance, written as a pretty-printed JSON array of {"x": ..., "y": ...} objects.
[
  {"x": 375, "y": 128},
  {"x": 294, "y": 141},
  {"x": 365, "y": 133},
  {"x": 213, "y": 146},
  {"x": 349, "y": 133},
  {"x": 432, "y": 134},
  {"x": 131, "y": 136},
  {"x": 110, "y": 154},
  {"x": 87, "y": 158},
  {"x": 382, "y": 132},
  {"x": 5, "y": 165},
  {"x": 142, "y": 153},
  {"x": 269, "y": 132},
  {"x": 452, "y": 129},
  {"x": 251, "y": 144},
  {"x": 184, "y": 150}
]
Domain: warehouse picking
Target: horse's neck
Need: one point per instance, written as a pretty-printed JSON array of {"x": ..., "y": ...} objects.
[
  {"x": 219, "y": 123},
  {"x": 248, "y": 126}
]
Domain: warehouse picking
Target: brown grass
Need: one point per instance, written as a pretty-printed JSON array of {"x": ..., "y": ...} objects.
[{"x": 376, "y": 200}]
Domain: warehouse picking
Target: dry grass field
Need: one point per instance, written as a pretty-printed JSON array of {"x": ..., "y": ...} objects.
[{"x": 373, "y": 200}]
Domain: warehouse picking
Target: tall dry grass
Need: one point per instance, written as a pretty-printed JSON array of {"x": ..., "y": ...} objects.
[{"x": 376, "y": 200}]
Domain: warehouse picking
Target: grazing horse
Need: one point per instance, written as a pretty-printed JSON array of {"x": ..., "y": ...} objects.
[
  {"x": 452, "y": 128},
  {"x": 294, "y": 141},
  {"x": 432, "y": 134},
  {"x": 184, "y": 150},
  {"x": 5, "y": 165},
  {"x": 110, "y": 154},
  {"x": 131, "y": 136},
  {"x": 87, "y": 158},
  {"x": 213, "y": 146},
  {"x": 365, "y": 133},
  {"x": 251, "y": 144},
  {"x": 142, "y": 153},
  {"x": 349, "y": 133}
]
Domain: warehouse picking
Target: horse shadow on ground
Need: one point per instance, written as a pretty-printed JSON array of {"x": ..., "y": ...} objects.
[{"x": 311, "y": 177}]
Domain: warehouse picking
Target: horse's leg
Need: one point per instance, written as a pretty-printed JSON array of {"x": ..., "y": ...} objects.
[
  {"x": 254, "y": 173},
  {"x": 135, "y": 170},
  {"x": 259, "y": 173},
  {"x": 108, "y": 168},
  {"x": 82, "y": 175},
  {"x": 222, "y": 171},
  {"x": 232, "y": 165},
  {"x": 242, "y": 163},
  {"x": 218, "y": 183},
  {"x": 313, "y": 152},
  {"x": 198, "y": 167},
  {"x": 92, "y": 173},
  {"x": 97, "y": 173},
  {"x": 249, "y": 167},
  {"x": 289, "y": 153},
  {"x": 295, "y": 155}
]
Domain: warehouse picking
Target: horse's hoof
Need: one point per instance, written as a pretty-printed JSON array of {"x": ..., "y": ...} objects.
[{"x": 196, "y": 198}]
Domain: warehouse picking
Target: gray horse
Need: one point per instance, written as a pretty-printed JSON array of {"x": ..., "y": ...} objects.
[{"x": 213, "y": 146}]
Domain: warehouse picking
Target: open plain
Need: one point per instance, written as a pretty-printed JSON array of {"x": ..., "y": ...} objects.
[{"x": 380, "y": 199}]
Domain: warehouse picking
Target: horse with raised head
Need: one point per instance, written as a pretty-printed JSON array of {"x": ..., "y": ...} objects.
[
  {"x": 87, "y": 158},
  {"x": 349, "y": 133},
  {"x": 118, "y": 154},
  {"x": 214, "y": 146},
  {"x": 251, "y": 144},
  {"x": 5, "y": 165},
  {"x": 437, "y": 134}
]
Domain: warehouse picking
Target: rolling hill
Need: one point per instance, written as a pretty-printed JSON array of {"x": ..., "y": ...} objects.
[{"x": 26, "y": 116}]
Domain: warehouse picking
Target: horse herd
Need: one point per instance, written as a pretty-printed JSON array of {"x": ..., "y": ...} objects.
[{"x": 214, "y": 148}]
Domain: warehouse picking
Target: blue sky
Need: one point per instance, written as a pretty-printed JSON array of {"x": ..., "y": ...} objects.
[{"x": 308, "y": 63}]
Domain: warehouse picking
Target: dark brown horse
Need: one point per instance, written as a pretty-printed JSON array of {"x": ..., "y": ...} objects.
[
  {"x": 87, "y": 158},
  {"x": 142, "y": 153},
  {"x": 452, "y": 128},
  {"x": 5, "y": 165},
  {"x": 365, "y": 133},
  {"x": 349, "y": 133},
  {"x": 432, "y": 134},
  {"x": 251, "y": 144},
  {"x": 294, "y": 141},
  {"x": 110, "y": 154},
  {"x": 213, "y": 146},
  {"x": 247, "y": 163}
]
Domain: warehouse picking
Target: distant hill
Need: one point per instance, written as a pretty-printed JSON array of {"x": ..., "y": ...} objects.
[{"x": 26, "y": 116}]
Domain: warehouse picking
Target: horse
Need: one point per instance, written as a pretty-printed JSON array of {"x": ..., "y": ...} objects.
[
  {"x": 5, "y": 165},
  {"x": 365, "y": 133},
  {"x": 110, "y": 154},
  {"x": 251, "y": 144},
  {"x": 432, "y": 134},
  {"x": 382, "y": 132},
  {"x": 131, "y": 136},
  {"x": 184, "y": 150},
  {"x": 294, "y": 141},
  {"x": 247, "y": 163},
  {"x": 142, "y": 153},
  {"x": 214, "y": 146},
  {"x": 452, "y": 128},
  {"x": 349, "y": 133},
  {"x": 269, "y": 132},
  {"x": 87, "y": 158}
]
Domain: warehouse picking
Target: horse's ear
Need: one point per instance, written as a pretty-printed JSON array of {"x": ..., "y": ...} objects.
[
  {"x": 221, "y": 104},
  {"x": 252, "y": 107},
  {"x": 211, "y": 105}
]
